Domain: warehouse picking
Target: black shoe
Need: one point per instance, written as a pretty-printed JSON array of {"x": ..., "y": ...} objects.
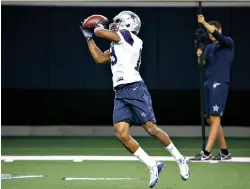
[
  {"x": 201, "y": 157},
  {"x": 222, "y": 156}
]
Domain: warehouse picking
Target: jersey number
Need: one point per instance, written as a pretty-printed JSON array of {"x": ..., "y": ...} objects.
[
  {"x": 113, "y": 56},
  {"x": 138, "y": 61}
]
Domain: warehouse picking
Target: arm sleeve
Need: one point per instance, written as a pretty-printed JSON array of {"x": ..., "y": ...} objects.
[{"x": 222, "y": 39}]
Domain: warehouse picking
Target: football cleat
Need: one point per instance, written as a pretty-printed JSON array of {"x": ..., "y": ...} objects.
[
  {"x": 154, "y": 173},
  {"x": 184, "y": 169}
]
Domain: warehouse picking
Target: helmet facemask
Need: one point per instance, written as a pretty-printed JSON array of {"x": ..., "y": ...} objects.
[{"x": 115, "y": 25}]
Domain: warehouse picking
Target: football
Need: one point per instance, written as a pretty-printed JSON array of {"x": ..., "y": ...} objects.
[{"x": 92, "y": 21}]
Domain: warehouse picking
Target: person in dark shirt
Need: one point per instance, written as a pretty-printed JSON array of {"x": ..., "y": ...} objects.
[{"x": 218, "y": 58}]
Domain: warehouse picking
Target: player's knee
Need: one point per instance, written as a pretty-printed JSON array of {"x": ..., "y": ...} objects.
[
  {"x": 121, "y": 132},
  {"x": 214, "y": 120},
  {"x": 121, "y": 135}
]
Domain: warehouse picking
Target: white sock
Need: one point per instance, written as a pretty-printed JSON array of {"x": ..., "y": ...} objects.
[
  {"x": 144, "y": 157},
  {"x": 174, "y": 152}
]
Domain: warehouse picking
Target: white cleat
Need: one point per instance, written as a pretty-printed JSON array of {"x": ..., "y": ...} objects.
[
  {"x": 184, "y": 169},
  {"x": 154, "y": 173}
]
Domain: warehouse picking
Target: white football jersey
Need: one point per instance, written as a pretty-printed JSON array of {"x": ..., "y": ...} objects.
[{"x": 126, "y": 58}]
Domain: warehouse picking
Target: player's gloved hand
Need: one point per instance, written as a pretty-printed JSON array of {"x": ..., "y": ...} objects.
[
  {"x": 87, "y": 33},
  {"x": 99, "y": 26}
]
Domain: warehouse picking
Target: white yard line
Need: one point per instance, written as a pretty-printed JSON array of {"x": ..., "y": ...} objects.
[
  {"x": 105, "y": 158},
  {"x": 8, "y": 177},
  {"x": 97, "y": 178}
]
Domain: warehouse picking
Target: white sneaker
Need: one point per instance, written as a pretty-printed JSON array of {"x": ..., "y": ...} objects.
[
  {"x": 184, "y": 169},
  {"x": 154, "y": 173}
]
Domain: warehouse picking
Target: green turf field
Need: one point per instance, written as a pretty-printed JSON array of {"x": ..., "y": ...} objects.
[{"x": 203, "y": 175}]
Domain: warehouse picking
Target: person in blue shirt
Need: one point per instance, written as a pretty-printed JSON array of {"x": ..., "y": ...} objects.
[{"x": 218, "y": 58}]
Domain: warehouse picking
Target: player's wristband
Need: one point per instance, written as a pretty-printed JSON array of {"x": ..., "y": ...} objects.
[{"x": 89, "y": 38}]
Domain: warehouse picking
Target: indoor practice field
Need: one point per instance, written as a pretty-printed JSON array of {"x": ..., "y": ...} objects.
[
  {"x": 84, "y": 83},
  {"x": 113, "y": 174}
]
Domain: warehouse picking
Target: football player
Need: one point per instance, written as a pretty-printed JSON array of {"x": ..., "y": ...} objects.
[{"x": 132, "y": 103}]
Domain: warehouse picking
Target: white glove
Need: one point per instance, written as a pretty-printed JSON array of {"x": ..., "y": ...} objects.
[
  {"x": 87, "y": 34},
  {"x": 98, "y": 27}
]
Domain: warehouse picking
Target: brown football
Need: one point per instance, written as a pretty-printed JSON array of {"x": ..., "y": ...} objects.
[{"x": 92, "y": 21}]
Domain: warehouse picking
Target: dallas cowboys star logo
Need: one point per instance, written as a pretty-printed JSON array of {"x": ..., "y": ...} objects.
[
  {"x": 216, "y": 108},
  {"x": 216, "y": 84},
  {"x": 133, "y": 16},
  {"x": 143, "y": 114}
]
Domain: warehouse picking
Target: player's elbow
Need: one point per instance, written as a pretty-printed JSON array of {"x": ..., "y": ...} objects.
[
  {"x": 100, "y": 60},
  {"x": 97, "y": 58}
]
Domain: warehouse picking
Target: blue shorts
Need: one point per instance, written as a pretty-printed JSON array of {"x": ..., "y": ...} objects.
[
  {"x": 215, "y": 98},
  {"x": 133, "y": 104}
]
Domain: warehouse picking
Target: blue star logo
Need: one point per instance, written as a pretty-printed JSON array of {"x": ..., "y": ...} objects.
[{"x": 133, "y": 16}]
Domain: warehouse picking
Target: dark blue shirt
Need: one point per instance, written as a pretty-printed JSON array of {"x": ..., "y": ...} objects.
[{"x": 218, "y": 59}]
